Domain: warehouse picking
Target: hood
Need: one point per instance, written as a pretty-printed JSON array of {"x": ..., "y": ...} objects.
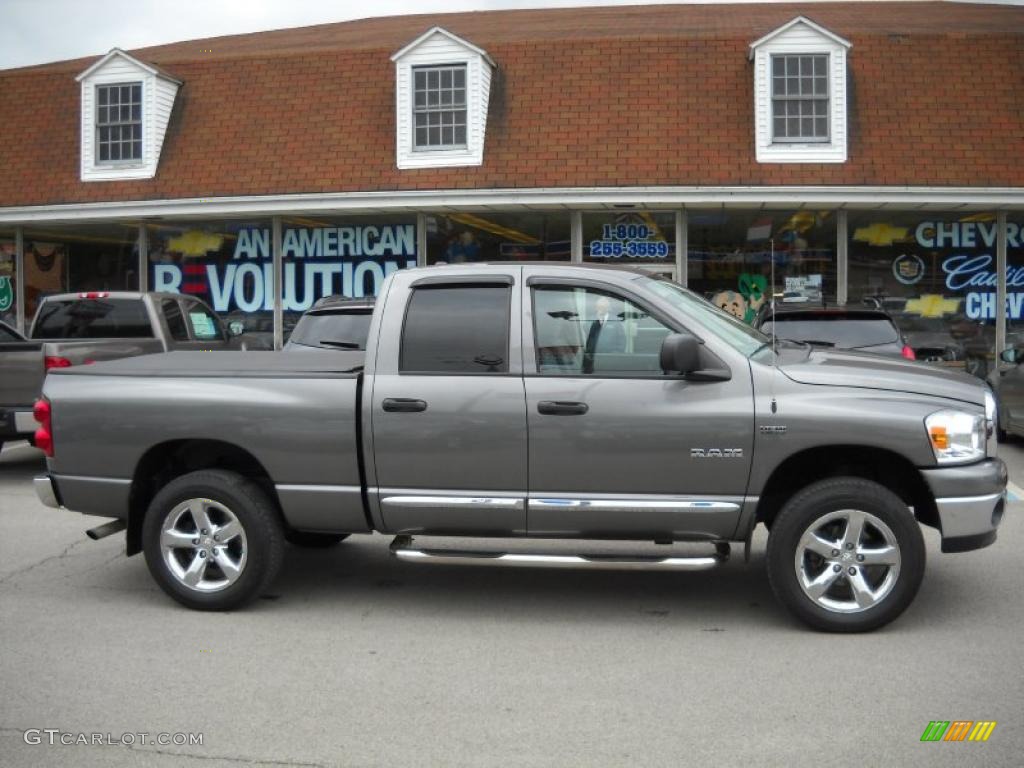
[{"x": 840, "y": 368}]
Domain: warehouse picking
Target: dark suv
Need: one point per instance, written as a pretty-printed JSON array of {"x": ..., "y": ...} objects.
[{"x": 855, "y": 328}]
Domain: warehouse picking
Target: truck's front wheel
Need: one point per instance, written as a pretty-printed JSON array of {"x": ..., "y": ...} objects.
[
  {"x": 845, "y": 555},
  {"x": 212, "y": 540}
]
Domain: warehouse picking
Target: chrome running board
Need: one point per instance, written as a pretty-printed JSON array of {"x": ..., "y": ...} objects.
[{"x": 402, "y": 548}]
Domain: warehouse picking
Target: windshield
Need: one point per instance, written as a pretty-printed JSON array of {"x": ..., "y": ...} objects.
[
  {"x": 729, "y": 329},
  {"x": 333, "y": 330}
]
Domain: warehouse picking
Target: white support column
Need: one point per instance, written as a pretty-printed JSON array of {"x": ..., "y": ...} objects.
[
  {"x": 421, "y": 239},
  {"x": 842, "y": 259},
  {"x": 278, "y": 282},
  {"x": 143, "y": 258},
  {"x": 682, "y": 247},
  {"x": 19, "y": 273},
  {"x": 1000, "y": 286},
  {"x": 576, "y": 237}
]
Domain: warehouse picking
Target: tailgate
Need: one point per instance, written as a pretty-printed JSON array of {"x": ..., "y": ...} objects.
[{"x": 22, "y": 379}]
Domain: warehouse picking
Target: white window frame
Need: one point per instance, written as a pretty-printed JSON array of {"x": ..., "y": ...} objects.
[
  {"x": 427, "y": 108},
  {"x": 439, "y": 48},
  {"x": 120, "y": 163},
  {"x": 800, "y": 37}
]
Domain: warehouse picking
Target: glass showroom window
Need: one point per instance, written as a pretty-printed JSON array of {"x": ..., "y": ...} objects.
[
  {"x": 640, "y": 238},
  {"x": 341, "y": 256},
  {"x": 936, "y": 275},
  {"x": 79, "y": 257},
  {"x": 466, "y": 237},
  {"x": 119, "y": 123},
  {"x": 227, "y": 264},
  {"x": 8, "y": 279},
  {"x": 730, "y": 257},
  {"x": 439, "y": 107},
  {"x": 800, "y": 109}
]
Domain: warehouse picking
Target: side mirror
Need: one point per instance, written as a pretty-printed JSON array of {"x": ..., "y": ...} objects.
[
  {"x": 680, "y": 353},
  {"x": 236, "y": 328},
  {"x": 1010, "y": 356}
]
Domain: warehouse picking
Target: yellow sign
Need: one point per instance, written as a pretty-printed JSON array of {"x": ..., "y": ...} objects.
[
  {"x": 195, "y": 243},
  {"x": 880, "y": 234},
  {"x": 931, "y": 305}
]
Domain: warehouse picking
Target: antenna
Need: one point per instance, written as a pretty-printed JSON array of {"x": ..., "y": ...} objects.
[{"x": 775, "y": 353}]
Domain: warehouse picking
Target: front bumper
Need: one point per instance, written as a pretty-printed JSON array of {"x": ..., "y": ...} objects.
[
  {"x": 970, "y": 501},
  {"x": 46, "y": 491}
]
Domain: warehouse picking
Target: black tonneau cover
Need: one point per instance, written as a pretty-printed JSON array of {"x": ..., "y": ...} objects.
[{"x": 226, "y": 364}]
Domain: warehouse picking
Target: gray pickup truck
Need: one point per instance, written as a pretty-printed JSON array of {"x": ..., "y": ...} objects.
[
  {"x": 77, "y": 328},
  {"x": 535, "y": 402}
]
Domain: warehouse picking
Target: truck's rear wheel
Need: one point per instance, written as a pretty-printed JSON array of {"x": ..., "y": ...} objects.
[
  {"x": 845, "y": 555},
  {"x": 212, "y": 540}
]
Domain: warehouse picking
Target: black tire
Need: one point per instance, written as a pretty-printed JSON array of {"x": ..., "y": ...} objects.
[
  {"x": 808, "y": 507},
  {"x": 255, "y": 513},
  {"x": 314, "y": 540}
]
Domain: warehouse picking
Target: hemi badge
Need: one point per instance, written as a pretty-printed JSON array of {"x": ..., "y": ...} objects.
[{"x": 773, "y": 429}]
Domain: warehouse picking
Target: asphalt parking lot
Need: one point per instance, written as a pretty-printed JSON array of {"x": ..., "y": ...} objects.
[{"x": 356, "y": 659}]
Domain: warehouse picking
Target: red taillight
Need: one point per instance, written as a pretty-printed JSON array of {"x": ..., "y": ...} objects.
[
  {"x": 908, "y": 353},
  {"x": 56, "y": 362},
  {"x": 44, "y": 435}
]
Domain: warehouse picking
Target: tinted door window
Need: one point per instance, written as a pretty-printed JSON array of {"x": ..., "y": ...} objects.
[
  {"x": 175, "y": 320},
  {"x": 205, "y": 324},
  {"x": 590, "y": 332},
  {"x": 93, "y": 319},
  {"x": 460, "y": 329}
]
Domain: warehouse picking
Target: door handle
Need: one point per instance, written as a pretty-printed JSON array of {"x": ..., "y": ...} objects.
[
  {"x": 403, "y": 405},
  {"x": 561, "y": 408}
]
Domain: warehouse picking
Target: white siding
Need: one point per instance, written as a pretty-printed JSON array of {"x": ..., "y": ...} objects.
[
  {"x": 158, "y": 96},
  {"x": 442, "y": 49},
  {"x": 800, "y": 38}
]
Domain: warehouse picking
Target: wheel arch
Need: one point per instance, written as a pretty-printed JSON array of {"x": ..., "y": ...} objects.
[
  {"x": 166, "y": 461},
  {"x": 886, "y": 467}
]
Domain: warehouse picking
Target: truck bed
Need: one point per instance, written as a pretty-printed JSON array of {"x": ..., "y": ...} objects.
[{"x": 295, "y": 415}]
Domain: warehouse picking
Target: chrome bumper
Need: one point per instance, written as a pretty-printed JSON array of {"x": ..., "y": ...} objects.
[{"x": 45, "y": 491}]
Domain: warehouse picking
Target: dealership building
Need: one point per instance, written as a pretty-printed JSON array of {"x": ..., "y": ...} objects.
[{"x": 870, "y": 153}]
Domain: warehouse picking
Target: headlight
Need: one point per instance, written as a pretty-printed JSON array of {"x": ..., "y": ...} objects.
[{"x": 957, "y": 437}]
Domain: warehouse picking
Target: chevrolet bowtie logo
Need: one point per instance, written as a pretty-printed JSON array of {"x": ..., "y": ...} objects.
[
  {"x": 880, "y": 234},
  {"x": 931, "y": 305}
]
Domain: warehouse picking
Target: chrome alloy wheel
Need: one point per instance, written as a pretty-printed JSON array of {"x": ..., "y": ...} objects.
[
  {"x": 203, "y": 545},
  {"x": 847, "y": 561}
]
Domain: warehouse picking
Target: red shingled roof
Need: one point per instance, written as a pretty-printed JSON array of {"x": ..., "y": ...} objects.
[{"x": 610, "y": 96}]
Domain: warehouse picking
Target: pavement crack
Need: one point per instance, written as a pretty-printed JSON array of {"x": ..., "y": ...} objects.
[{"x": 44, "y": 561}]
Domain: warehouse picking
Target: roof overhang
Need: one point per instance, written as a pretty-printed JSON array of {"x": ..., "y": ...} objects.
[{"x": 948, "y": 199}]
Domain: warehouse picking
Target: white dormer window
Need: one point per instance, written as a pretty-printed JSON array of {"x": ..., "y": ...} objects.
[
  {"x": 126, "y": 106},
  {"x": 442, "y": 87},
  {"x": 800, "y": 94},
  {"x": 119, "y": 123}
]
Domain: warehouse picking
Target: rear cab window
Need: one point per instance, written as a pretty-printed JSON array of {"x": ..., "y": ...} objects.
[
  {"x": 205, "y": 324},
  {"x": 456, "y": 329},
  {"x": 333, "y": 329},
  {"x": 93, "y": 318}
]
